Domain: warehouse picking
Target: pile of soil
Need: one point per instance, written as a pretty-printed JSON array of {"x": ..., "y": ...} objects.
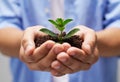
[{"x": 75, "y": 40}]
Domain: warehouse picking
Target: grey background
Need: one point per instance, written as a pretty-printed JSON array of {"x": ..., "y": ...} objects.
[{"x": 5, "y": 74}]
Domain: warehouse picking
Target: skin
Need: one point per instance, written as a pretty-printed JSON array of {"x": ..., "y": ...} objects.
[
  {"x": 78, "y": 59},
  {"x": 59, "y": 59},
  {"x": 10, "y": 39},
  {"x": 109, "y": 42},
  {"x": 62, "y": 52}
]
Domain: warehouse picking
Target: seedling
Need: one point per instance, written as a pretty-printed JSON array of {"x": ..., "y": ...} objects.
[{"x": 60, "y": 24}]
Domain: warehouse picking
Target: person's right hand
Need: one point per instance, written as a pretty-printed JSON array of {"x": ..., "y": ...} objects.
[
  {"x": 74, "y": 59},
  {"x": 39, "y": 58}
]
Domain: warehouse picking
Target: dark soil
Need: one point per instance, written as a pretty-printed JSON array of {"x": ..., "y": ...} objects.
[{"x": 75, "y": 40}]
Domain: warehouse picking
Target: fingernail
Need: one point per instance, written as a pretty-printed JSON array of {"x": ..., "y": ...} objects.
[
  {"x": 49, "y": 46},
  {"x": 72, "y": 54},
  {"x": 63, "y": 60}
]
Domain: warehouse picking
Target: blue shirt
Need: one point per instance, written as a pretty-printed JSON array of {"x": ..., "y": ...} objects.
[{"x": 96, "y": 14}]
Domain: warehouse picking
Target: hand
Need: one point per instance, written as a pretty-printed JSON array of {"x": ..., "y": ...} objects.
[
  {"x": 39, "y": 58},
  {"x": 74, "y": 59}
]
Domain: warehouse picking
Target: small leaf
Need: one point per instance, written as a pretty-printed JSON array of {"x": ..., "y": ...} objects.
[
  {"x": 60, "y": 28},
  {"x": 59, "y": 21},
  {"x": 53, "y": 22},
  {"x": 67, "y": 21},
  {"x": 48, "y": 32},
  {"x": 71, "y": 33}
]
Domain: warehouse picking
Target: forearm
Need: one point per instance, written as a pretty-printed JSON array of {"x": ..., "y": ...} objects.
[
  {"x": 10, "y": 39},
  {"x": 108, "y": 42}
]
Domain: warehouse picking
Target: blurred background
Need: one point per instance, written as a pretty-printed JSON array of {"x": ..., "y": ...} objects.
[{"x": 5, "y": 74}]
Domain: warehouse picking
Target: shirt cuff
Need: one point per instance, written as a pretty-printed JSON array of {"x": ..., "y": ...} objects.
[
  {"x": 7, "y": 24},
  {"x": 115, "y": 24}
]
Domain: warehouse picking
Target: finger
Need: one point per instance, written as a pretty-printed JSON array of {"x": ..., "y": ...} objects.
[
  {"x": 23, "y": 57},
  {"x": 66, "y": 46},
  {"x": 51, "y": 56},
  {"x": 36, "y": 66},
  {"x": 77, "y": 54},
  {"x": 21, "y": 54},
  {"x": 89, "y": 38},
  {"x": 89, "y": 42},
  {"x": 28, "y": 38},
  {"x": 61, "y": 68},
  {"x": 73, "y": 64},
  {"x": 56, "y": 73},
  {"x": 43, "y": 50},
  {"x": 94, "y": 57},
  {"x": 82, "y": 56},
  {"x": 39, "y": 52},
  {"x": 27, "y": 42}
]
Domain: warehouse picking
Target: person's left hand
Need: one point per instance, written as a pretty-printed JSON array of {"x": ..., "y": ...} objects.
[{"x": 75, "y": 59}]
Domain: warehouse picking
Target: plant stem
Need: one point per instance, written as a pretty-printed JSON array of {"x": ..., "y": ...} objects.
[{"x": 60, "y": 37}]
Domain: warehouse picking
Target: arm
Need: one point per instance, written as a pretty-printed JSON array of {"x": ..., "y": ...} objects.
[
  {"x": 75, "y": 59},
  {"x": 10, "y": 45},
  {"x": 109, "y": 39},
  {"x": 109, "y": 42},
  {"x": 10, "y": 20},
  {"x": 10, "y": 41}
]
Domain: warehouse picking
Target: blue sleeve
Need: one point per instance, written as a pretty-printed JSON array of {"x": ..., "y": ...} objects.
[
  {"x": 10, "y": 13},
  {"x": 112, "y": 14}
]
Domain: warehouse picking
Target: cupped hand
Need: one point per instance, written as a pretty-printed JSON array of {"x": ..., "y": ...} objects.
[
  {"x": 75, "y": 59},
  {"x": 39, "y": 58}
]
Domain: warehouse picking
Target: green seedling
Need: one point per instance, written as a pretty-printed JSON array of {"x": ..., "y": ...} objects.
[{"x": 60, "y": 24}]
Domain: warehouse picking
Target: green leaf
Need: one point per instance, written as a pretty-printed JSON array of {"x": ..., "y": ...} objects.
[
  {"x": 71, "y": 33},
  {"x": 59, "y": 25},
  {"x": 53, "y": 22},
  {"x": 60, "y": 28},
  {"x": 59, "y": 21},
  {"x": 48, "y": 32},
  {"x": 67, "y": 21}
]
